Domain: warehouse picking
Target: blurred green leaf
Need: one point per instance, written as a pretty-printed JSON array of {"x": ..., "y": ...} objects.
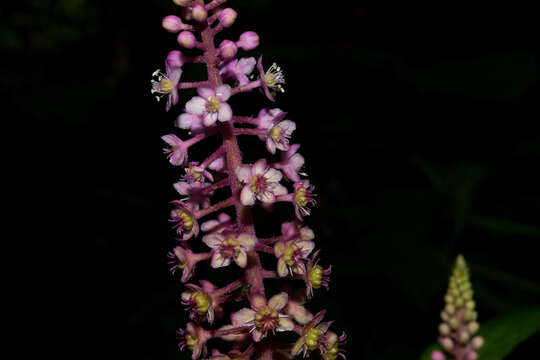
[
  {"x": 503, "y": 334},
  {"x": 503, "y": 226}
]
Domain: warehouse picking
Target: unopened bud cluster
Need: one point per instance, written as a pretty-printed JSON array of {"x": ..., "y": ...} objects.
[
  {"x": 231, "y": 239},
  {"x": 457, "y": 332}
]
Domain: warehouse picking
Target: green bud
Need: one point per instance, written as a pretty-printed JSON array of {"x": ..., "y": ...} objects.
[
  {"x": 470, "y": 304},
  {"x": 473, "y": 327},
  {"x": 444, "y": 329},
  {"x": 450, "y": 309},
  {"x": 454, "y": 323}
]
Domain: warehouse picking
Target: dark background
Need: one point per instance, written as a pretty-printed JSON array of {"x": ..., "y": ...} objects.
[{"x": 418, "y": 127}]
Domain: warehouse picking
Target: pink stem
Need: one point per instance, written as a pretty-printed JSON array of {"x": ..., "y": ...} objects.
[
  {"x": 220, "y": 205},
  {"x": 229, "y": 288},
  {"x": 249, "y": 132},
  {"x": 264, "y": 248},
  {"x": 220, "y": 151},
  {"x": 248, "y": 87},
  {"x": 214, "y": 4},
  {"x": 199, "y": 137},
  {"x": 245, "y": 120},
  {"x": 191, "y": 85}
]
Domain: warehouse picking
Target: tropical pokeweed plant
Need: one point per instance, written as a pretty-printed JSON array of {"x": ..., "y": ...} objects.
[
  {"x": 250, "y": 330},
  {"x": 459, "y": 326}
]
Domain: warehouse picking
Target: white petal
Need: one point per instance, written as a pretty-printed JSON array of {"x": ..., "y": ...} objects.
[
  {"x": 241, "y": 259},
  {"x": 196, "y": 105},
  {"x": 267, "y": 197},
  {"x": 213, "y": 240},
  {"x": 306, "y": 246},
  {"x": 224, "y": 112},
  {"x": 206, "y": 92},
  {"x": 219, "y": 260},
  {"x": 285, "y": 324},
  {"x": 272, "y": 175},
  {"x": 223, "y": 92},
  {"x": 278, "y": 302},
  {"x": 247, "y": 197},
  {"x": 244, "y": 316},
  {"x": 279, "y": 189},
  {"x": 243, "y": 173},
  {"x": 186, "y": 120},
  {"x": 246, "y": 241},
  {"x": 210, "y": 119},
  {"x": 259, "y": 167},
  {"x": 182, "y": 187},
  {"x": 297, "y": 161}
]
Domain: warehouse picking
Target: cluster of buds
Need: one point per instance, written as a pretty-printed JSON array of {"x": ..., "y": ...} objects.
[
  {"x": 459, "y": 326},
  {"x": 229, "y": 237}
]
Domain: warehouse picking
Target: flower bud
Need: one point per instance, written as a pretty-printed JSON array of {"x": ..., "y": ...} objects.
[
  {"x": 450, "y": 309},
  {"x": 228, "y": 49},
  {"x": 199, "y": 13},
  {"x": 477, "y": 342},
  {"x": 172, "y": 23},
  {"x": 471, "y": 355},
  {"x": 444, "y": 316},
  {"x": 448, "y": 299},
  {"x": 454, "y": 323},
  {"x": 447, "y": 343},
  {"x": 459, "y": 302},
  {"x": 470, "y": 304},
  {"x": 473, "y": 327},
  {"x": 444, "y": 329},
  {"x": 182, "y": 2},
  {"x": 175, "y": 59},
  {"x": 248, "y": 40},
  {"x": 187, "y": 40},
  {"x": 463, "y": 336},
  {"x": 437, "y": 355},
  {"x": 227, "y": 17}
]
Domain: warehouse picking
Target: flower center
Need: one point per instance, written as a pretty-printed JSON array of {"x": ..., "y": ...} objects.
[
  {"x": 196, "y": 175},
  {"x": 212, "y": 105},
  {"x": 202, "y": 301},
  {"x": 163, "y": 85},
  {"x": 258, "y": 184},
  {"x": 276, "y": 132},
  {"x": 266, "y": 319},
  {"x": 190, "y": 341},
  {"x": 315, "y": 276},
  {"x": 274, "y": 77},
  {"x": 300, "y": 197},
  {"x": 229, "y": 247},
  {"x": 333, "y": 351},
  {"x": 312, "y": 338},
  {"x": 187, "y": 219},
  {"x": 291, "y": 254}
]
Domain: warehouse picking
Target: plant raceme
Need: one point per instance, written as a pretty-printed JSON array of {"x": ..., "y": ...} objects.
[{"x": 251, "y": 317}]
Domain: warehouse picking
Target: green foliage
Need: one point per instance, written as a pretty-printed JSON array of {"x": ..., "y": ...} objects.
[{"x": 503, "y": 334}]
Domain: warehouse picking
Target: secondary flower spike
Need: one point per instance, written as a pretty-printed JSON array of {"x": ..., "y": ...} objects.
[
  {"x": 240, "y": 319},
  {"x": 457, "y": 331}
]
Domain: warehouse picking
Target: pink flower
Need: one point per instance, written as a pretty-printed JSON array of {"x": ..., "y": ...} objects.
[
  {"x": 200, "y": 301},
  {"x": 167, "y": 83},
  {"x": 194, "y": 173},
  {"x": 184, "y": 260},
  {"x": 267, "y": 117},
  {"x": 291, "y": 255},
  {"x": 218, "y": 164},
  {"x": 227, "y": 246},
  {"x": 223, "y": 222},
  {"x": 238, "y": 70},
  {"x": 184, "y": 219},
  {"x": 261, "y": 183},
  {"x": 197, "y": 194},
  {"x": 315, "y": 336},
  {"x": 291, "y": 163},
  {"x": 211, "y": 104},
  {"x": 271, "y": 80},
  {"x": 194, "y": 338},
  {"x": 303, "y": 198},
  {"x": 316, "y": 276},
  {"x": 191, "y": 122},
  {"x": 177, "y": 153},
  {"x": 264, "y": 317},
  {"x": 278, "y": 130}
]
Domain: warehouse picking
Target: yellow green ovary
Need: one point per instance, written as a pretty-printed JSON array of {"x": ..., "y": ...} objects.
[
  {"x": 190, "y": 341},
  {"x": 300, "y": 197},
  {"x": 288, "y": 256},
  {"x": 315, "y": 276},
  {"x": 312, "y": 338},
  {"x": 202, "y": 301},
  {"x": 212, "y": 105},
  {"x": 187, "y": 220}
]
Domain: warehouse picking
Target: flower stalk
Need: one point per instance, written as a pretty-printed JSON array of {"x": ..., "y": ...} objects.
[{"x": 232, "y": 240}]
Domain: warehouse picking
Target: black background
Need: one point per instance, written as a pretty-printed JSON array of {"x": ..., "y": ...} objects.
[{"x": 417, "y": 123}]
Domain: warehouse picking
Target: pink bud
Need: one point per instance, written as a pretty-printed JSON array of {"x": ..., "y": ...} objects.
[
  {"x": 437, "y": 355},
  {"x": 228, "y": 49},
  {"x": 446, "y": 343},
  {"x": 182, "y": 2},
  {"x": 172, "y": 23},
  {"x": 471, "y": 355},
  {"x": 477, "y": 342},
  {"x": 187, "y": 40},
  {"x": 248, "y": 40},
  {"x": 227, "y": 17},
  {"x": 175, "y": 59},
  {"x": 199, "y": 13}
]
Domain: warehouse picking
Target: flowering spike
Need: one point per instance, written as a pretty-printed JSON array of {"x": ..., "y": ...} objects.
[
  {"x": 232, "y": 239},
  {"x": 459, "y": 326}
]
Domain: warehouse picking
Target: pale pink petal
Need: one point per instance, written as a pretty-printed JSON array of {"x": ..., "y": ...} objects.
[
  {"x": 279, "y": 189},
  {"x": 288, "y": 126},
  {"x": 297, "y": 161},
  {"x": 306, "y": 246},
  {"x": 247, "y": 196},
  {"x": 244, "y": 316},
  {"x": 285, "y": 324},
  {"x": 306, "y": 234},
  {"x": 182, "y": 187},
  {"x": 210, "y": 224},
  {"x": 205, "y": 92},
  {"x": 267, "y": 197},
  {"x": 246, "y": 241},
  {"x": 178, "y": 156},
  {"x": 186, "y": 295},
  {"x": 258, "y": 302},
  {"x": 246, "y": 65},
  {"x": 273, "y": 175},
  {"x": 186, "y": 120},
  {"x": 278, "y": 302},
  {"x": 257, "y": 335},
  {"x": 213, "y": 241},
  {"x": 210, "y": 119},
  {"x": 270, "y": 145},
  {"x": 282, "y": 267},
  {"x": 241, "y": 258},
  {"x": 243, "y": 173},
  {"x": 223, "y": 92},
  {"x": 172, "y": 140},
  {"x": 279, "y": 248},
  {"x": 219, "y": 260},
  {"x": 196, "y": 105},
  {"x": 259, "y": 167},
  {"x": 224, "y": 112}
]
